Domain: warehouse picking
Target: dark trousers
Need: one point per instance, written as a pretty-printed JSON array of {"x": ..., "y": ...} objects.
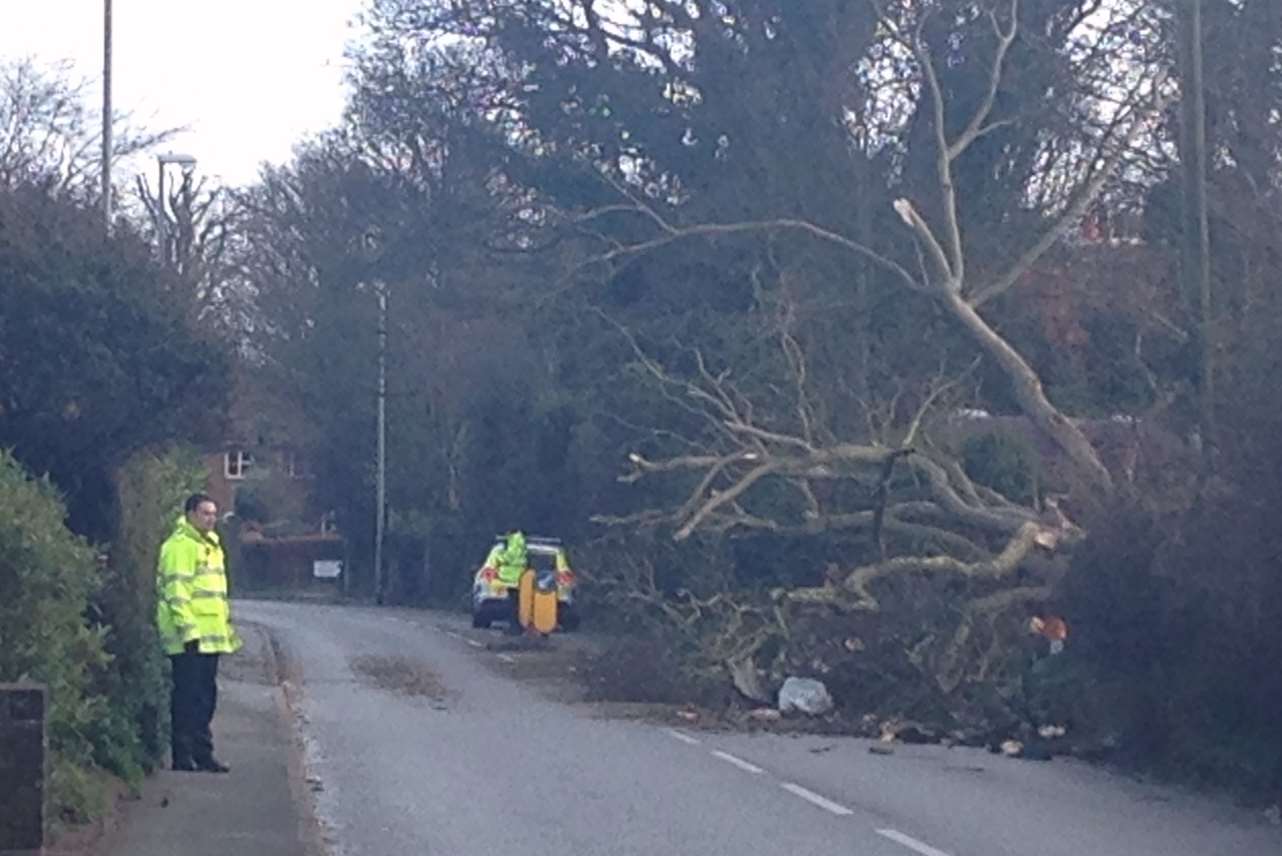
[{"x": 191, "y": 706}]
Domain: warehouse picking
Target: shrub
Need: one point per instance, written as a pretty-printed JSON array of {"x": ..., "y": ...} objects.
[
  {"x": 1003, "y": 462},
  {"x": 1176, "y": 623},
  {"x": 151, "y": 489},
  {"x": 87, "y": 632},
  {"x": 47, "y": 579}
]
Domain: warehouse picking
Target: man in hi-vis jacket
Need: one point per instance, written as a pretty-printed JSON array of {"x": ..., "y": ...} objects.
[{"x": 194, "y": 620}]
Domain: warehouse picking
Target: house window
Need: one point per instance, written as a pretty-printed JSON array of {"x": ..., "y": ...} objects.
[{"x": 237, "y": 463}]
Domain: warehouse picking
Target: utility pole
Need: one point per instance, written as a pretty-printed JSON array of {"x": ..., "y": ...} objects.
[
  {"x": 380, "y": 501},
  {"x": 106, "y": 114},
  {"x": 1195, "y": 259}
]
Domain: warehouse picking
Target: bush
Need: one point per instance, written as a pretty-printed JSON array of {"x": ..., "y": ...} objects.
[
  {"x": 1176, "y": 626},
  {"x": 1006, "y": 463},
  {"x": 87, "y": 632},
  {"x": 151, "y": 489},
  {"x": 47, "y": 579}
]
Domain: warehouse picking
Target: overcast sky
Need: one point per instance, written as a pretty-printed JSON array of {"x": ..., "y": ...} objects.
[{"x": 248, "y": 77}]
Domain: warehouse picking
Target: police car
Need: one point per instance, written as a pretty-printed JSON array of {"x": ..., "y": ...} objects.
[{"x": 493, "y": 600}]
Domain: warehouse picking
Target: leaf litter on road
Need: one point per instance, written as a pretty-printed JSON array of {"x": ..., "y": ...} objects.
[{"x": 400, "y": 675}]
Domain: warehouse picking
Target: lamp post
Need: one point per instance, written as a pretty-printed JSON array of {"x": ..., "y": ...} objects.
[
  {"x": 380, "y": 500},
  {"x": 188, "y": 163},
  {"x": 371, "y": 247},
  {"x": 106, "y": 114}
]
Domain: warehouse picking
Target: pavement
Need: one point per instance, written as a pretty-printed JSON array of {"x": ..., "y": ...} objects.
[
  {"x": 421, "y": 736},
  {"x": 259, "y": 808}
]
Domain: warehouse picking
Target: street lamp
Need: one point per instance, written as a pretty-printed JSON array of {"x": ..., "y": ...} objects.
[
  {"x": 381, "y": 482},
  {"x": 188, "y": 164},
  {"x": 379, "y": 288},
  {"x": 370, "y": 246},
  {"x": 106, "y": 114}
]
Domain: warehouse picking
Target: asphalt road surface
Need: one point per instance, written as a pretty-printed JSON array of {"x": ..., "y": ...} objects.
[{"x": 421, "y": 739}]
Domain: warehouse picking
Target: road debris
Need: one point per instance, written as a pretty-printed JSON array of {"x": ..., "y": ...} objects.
[
  {"x": 805, "y": 695},
  {"x": 765, "y": 714}
]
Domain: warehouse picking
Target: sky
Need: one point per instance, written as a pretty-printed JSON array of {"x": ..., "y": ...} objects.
[{"x": 249, "y": 78}]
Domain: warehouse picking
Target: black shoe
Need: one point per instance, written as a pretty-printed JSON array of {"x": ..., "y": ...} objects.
[
  {"x": 184, "y": 765},
  {"x": 211, "y": 765}
]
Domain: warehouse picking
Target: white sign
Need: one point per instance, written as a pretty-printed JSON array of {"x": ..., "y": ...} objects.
[{"x": 327, "y": 569}]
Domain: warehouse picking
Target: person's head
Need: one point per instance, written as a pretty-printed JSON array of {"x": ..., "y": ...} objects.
[
  {"x": 202, "y": 512},
  {"x": 516, "y": 545}
]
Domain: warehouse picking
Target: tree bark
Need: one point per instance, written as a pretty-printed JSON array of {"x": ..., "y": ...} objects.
[{"x": 1031, "y": 395}]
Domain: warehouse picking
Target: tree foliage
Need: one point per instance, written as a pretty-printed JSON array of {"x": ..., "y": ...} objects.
[
  {"x": 49, "y": 132},
  {"x": 839, "y": 321},
  {"x": 97, "y": 356}
]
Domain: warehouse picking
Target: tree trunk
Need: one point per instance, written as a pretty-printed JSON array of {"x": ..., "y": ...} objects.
[{"x": 1030, "y": 395}]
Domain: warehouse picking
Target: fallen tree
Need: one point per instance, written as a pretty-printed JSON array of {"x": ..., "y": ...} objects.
[{"x": 908, "y": 504}]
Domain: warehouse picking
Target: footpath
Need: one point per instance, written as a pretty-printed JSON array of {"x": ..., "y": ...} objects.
[{"x": 259, "y": 808}]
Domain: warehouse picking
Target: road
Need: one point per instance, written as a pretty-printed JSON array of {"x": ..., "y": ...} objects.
[{"x": 448, "y": 753}]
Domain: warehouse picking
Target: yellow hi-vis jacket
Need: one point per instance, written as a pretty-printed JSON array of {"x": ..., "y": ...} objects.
[
  {"x": 509, "y": 559},
  {"x": 191, "y": 593}
]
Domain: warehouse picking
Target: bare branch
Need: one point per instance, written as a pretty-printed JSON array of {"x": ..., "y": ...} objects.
[
  {"x": 641, "y": 519},
  {"x": 1027, "y": 387},
  {"x": 1004, "y": 564},
  {"x": 948, "y": 675},
  {"x": 926, "y": 237},
  {"x": 672, "y": 233},
  {"x": 701, "y": 490},
  {"x": 977, "y": 125},
  {"x": 741, "y": 487},
  {"x": 937, "y": 390},
  {"x": 769, "y": 436},
  {"x": 1085, "y": 195},
  {"x": 643, "y": 466},
  {"x": 1000, "y": 520},
  {"x": 955, "y": 266}
]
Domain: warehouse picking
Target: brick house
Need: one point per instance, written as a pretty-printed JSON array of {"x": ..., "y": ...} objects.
[{"x": 263, "y": 483}]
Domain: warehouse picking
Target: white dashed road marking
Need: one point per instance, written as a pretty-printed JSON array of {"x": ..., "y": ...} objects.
[
  {"x": 738, "y": 762},
  {"x": 683, "y": 737},
  {"x": 474, "y": 643},
  {"x": 507, "y": 658},
  {"x": 815, "y": 799},
  {"x": 911, "y": 843}
]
